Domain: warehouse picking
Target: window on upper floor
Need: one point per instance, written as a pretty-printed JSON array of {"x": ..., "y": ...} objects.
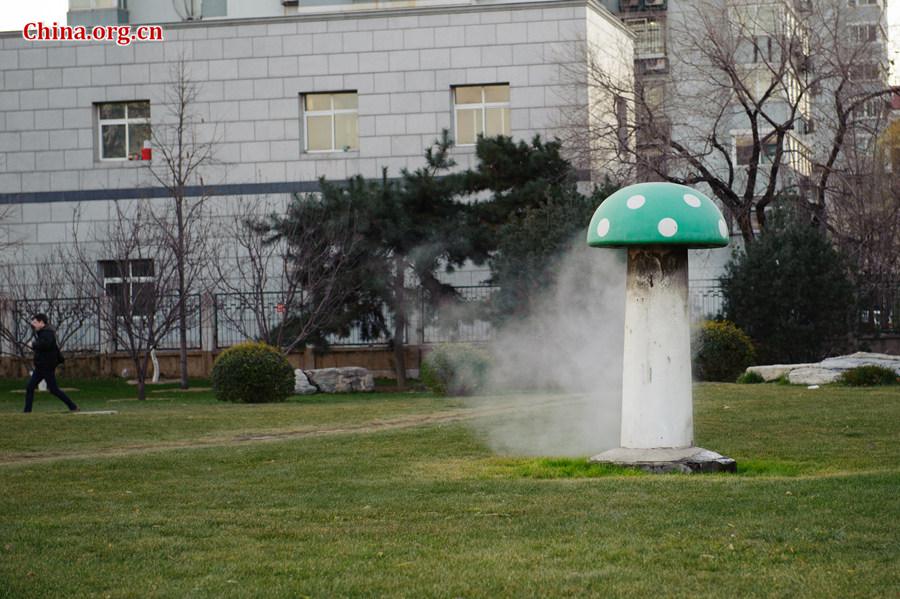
[
  {"x": 331, "y": 122},
  {"x": 743, "y": 150},
  {"x": 214, "y": 8},
  {"x": 650, "y": 37},
  {"x": 870, "y": 109},
  {"x": 130, "y": 285},
  {"x": 864, "y": 33},
  {"x": 96, "y": 4},
  {"x": 480, "y": 110},
  {"x": 865, "y": 71},
  {"x": 123, "y": 127}
]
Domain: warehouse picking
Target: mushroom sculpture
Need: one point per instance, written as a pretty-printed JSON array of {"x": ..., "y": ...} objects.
[{"x": 657, "y": 223}]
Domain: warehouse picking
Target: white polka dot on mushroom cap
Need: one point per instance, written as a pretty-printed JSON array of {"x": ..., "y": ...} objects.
[
  {"x": 691, "y": 200},
  {"x": 603, "y": 227},
  {"x": 723, "y": 228},
  {"x": 635, "y": 202},
  {"x": 667, "y": 227}
]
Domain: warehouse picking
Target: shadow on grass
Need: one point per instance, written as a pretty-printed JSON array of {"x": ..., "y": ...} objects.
[{"x": 562, "y": 468}]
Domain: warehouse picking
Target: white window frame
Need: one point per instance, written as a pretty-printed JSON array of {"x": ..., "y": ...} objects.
[
  {"x": 130, "y": 279},
  {"x": 483, "y": 106},
  {"x": 329, "y": 113},
  {"x": 119, "y": 4},
  {"x": 124, "y": 121}
]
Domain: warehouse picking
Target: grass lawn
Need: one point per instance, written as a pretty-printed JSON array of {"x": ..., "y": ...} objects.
[{"x": 397, "y": 495}]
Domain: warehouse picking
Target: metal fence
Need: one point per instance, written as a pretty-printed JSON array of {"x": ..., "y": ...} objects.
[
  {"x": 463, "y": 322},
  {"x": 706, "y": 299},
  {"x": 79, "y": 324},
  {"x": 879, "y": 310},
  {"x": 168, "y": 307},
  {"x": 258, "y": 316},
  {"x": 77, "y": 321},
  {"x": 237, "y": 317}
]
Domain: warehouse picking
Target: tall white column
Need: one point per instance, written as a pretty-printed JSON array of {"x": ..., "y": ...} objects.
[{"x": 657, "y": 407}]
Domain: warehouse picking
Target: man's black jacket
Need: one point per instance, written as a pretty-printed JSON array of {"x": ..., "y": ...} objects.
[{"x": 46, "y": 351}]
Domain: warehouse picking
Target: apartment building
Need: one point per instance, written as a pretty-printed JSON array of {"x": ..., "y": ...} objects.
[{"x": 665, "y": 32}]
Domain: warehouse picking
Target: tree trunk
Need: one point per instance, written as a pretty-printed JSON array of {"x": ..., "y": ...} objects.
[
  {"x": 141, "y": 376},
  {"x": 182, "y": 309},
  {"x": 399, "y": 323},
  {"x": 745, "y": 224}
]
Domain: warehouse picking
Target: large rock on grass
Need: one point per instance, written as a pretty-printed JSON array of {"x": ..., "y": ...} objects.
[
  {"x": 826, "y": 371},
  {"x": 342, "y": 380},
  {"x": 302, "y": 386}
]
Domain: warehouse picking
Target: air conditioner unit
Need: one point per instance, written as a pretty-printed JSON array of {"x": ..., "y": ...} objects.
[{"x": 654, "y": 3}]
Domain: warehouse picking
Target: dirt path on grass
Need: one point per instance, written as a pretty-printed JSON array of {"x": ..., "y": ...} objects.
[{"x": 232, "y": 440}]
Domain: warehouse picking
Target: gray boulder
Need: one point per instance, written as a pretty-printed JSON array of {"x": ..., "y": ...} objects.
[
  {"x": 826, "y": 371},
  {"x": 302, "y": 386},
  {"x": 341, "y": 380}
]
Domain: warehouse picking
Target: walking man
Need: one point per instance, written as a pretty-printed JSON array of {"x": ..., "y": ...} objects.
[{"x": 46, "y": 358}]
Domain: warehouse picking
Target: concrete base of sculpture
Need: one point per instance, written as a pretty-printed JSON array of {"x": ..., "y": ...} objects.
[{"x": 686, "y": 460}]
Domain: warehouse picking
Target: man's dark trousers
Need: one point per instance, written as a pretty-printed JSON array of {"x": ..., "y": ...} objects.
[{"x": 49, "y": 375}]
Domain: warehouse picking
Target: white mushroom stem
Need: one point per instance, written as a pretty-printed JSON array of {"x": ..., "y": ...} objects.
[{"x": 657, "y": 407}]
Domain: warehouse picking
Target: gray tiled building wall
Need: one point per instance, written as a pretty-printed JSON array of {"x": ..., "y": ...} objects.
[{"x": 251, "y": 74}]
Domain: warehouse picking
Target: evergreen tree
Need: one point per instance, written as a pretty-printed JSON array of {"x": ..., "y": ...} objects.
[
  {"x": 407, "y": 230},
  {"x": 790, "y": 293},
  {"x": 532, "y": 216}
]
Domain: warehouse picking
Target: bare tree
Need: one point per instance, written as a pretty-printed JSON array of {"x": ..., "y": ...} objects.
[
  {"x": 303, "y": 261},
  {"x": 759, "y": 97},
  {"x": 143, "y": 307},
  {"x": 251, "y": 269},
  {"x": 180, "y": 157},
  {"x": 43, "y": 286},
  {"x": 864, "y": 221}
]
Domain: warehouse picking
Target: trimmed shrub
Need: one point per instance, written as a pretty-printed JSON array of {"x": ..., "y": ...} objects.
[
  {"x": 252, "y": 373},
  {"x": 789, "y": 292},
  {"x": 868, "y": 376},
  {"x": 723, "y": 352},
  {"x": 455, "y": 369},
  {"x": 750, "y": 378}
]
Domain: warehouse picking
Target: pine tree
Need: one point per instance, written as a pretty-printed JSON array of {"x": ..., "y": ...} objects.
[{"x": 533, "y": 214}]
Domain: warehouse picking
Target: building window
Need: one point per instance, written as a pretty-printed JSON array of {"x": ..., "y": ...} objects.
[
  {"x": 864, "y": 33},
  {"x": 124, "y": 127},
  {"x": 130, "y": 285},
  {"x": 743, "y": 146},
  {"x": 480, "y": 110},
  {"x": 331, "y": 122},
  {"x": 214, "y": 8},
  {"x": 650, "y": 37},
  {"x": 96, "y": 4},
  {"x": 865, "y": 71},
  {"x": 869, "y": 109}
]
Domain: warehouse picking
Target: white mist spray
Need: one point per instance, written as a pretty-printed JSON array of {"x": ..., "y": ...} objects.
[{"x": 571, "y": 344}]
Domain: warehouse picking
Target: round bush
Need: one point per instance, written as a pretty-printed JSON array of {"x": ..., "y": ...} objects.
[
  {"x": 252, "y": 373},
  {"x": 868, "y": 376},
  {"x": 723, "y": 352},
  {"x": 455, "y": 369}
]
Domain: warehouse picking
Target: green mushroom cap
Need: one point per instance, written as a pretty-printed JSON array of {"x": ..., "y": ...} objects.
[{"x": 658, "y": 214}]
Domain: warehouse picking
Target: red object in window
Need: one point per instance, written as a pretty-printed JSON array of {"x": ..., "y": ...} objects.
[
  {"x": 279, "y": 308},
  {"x": 145, "y": 151}
]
